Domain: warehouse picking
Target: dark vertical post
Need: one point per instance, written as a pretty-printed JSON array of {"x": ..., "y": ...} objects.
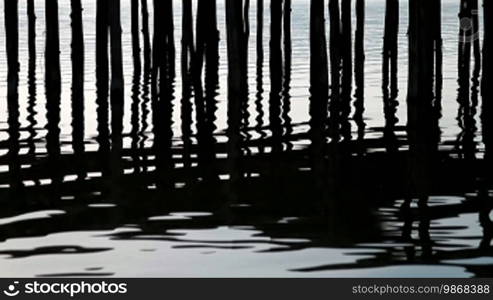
[
  {"x": 319, "y": 97},
  {"x": 476, "y": 34},
  {"x": 259, "y": 76},
  {"x": 438, "y": 47},
  {"x": 260, "y": 32},
  {"x": 146, "y": 78},
  {"x": 319, "y": 77},
  {"x": 163, "y": 72},
  {"x": 12, "y": 47},
  {"x": 170, "y": 44},
  {"x": 347, "y": 67},
  {"x": 53, "y": 87},
  {"x": 438, "y": 63},
  {"x": 389, "y": 71},
  {"x": 102, "y": 79},
  {"x": 245, "y": 115},
  {"x": 211, "y": 81},
  {"x": 31, "y": 16},
  {"x": 145, "y": 36},
  {"x": 359, "y": 67},
  {"x": 286, "y": 107},
  {"x": 420, "y": 95},
  {"x": 236, "y": 84},
  {"x": 464, "y": 74},
  {"x": 117, "y": 84},
  {"x": 135, "y": 108},
  {"x": 206, "y": 49},
  {"x": 77, "y": 85},
  {"x": 134, "y": 7},
  {"x": 487, "y": 87},
  {"x": 187, "y": 53},
  {"x": 335, "y": 69},
  {"x": 276, "y": 75},
  {"x": 476, "y": 73}
]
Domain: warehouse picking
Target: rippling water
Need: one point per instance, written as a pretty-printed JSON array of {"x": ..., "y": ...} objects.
[{"x": 196, "y": 230}]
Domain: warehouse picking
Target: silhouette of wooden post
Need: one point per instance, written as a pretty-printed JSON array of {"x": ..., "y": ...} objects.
[
  {"x": 162, "y": 76},
  {"x": 438, "y": 60},
  {"x": 31, "y": 16},
  {"x": 206, "y": 50},
  {"x": 276, "y": 75},
  {"x": 347, "y": 67},
  {"x": 476, "y": 33},
  {"x": 464, "y": 59},
  {"x": 117, "y": 84},
  {"x": 467, "y": 38},
  {"x": 137, "y": 71},
  {"x": 389, "y": 70},
  {"x": 187, "y": 42},
  {"x": 12, "y": 48},
  {"x": 78, "y": 85},
  {"x": 245, "y": 115},
  {"x": 260, "y": 33},
  {"x": 53, "y": 88},
  {"x": 359, "y": 67},
  {"x": 319, "y": 97},
  {"x": 287, "y": 36},
  {"x": 102, "y": 80},
  {"x": 286, "y": 97},
  {"x": 146, "y": 44},
  {"x": 259, "y": 75},
  {"x": 236, "y": 84},
  {"x": 145, "y": 37},
  {"x": 420, "y": 95},
  {"x": 487, "y": 87},
  {"x": 319, "y": 77},
  {"x": 134, "y": 7},
  {"x": 335, "y": 69},
  {"x": 187, "y": 55}
]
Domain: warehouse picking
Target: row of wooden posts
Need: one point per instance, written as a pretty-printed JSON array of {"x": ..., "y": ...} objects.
[{"x": 331, "y": 87}]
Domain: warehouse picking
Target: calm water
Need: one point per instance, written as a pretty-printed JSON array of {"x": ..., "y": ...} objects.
[{"x": 272, "y": 228}]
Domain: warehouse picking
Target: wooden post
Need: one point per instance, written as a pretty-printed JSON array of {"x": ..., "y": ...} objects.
[
  {"x": 137, "y": 72},
  {"x": 31, "y": 16},
  {"x": 335, "y": 69},
  {"x": 487, "y": 86},
  {"x": 347, "y": 68},
  {"x": 420, "y": 95},
  {"x": 163, "y": 72},
  {"x": 117, "y": 84},
  {"x": 389, "y": 71},
  {"x": 260, "y": 75},
  {"x": 102, "y": 79},
  {"x": 206, "y": 52},
  {"x": 134, "y": 7},
  {"x": 52, "y": 80},
  {"x": 236, "y": 84},
  {"x": 78, "y": 84},
  {"x": 286, "y": 97},
  {"x": 145, "y": 37},
  {"x": 359, "y": 67},
  {"x": 12, "y": 49},
  {"x": 319, "y": 77},
  {"x": 276, "y": 74}
]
